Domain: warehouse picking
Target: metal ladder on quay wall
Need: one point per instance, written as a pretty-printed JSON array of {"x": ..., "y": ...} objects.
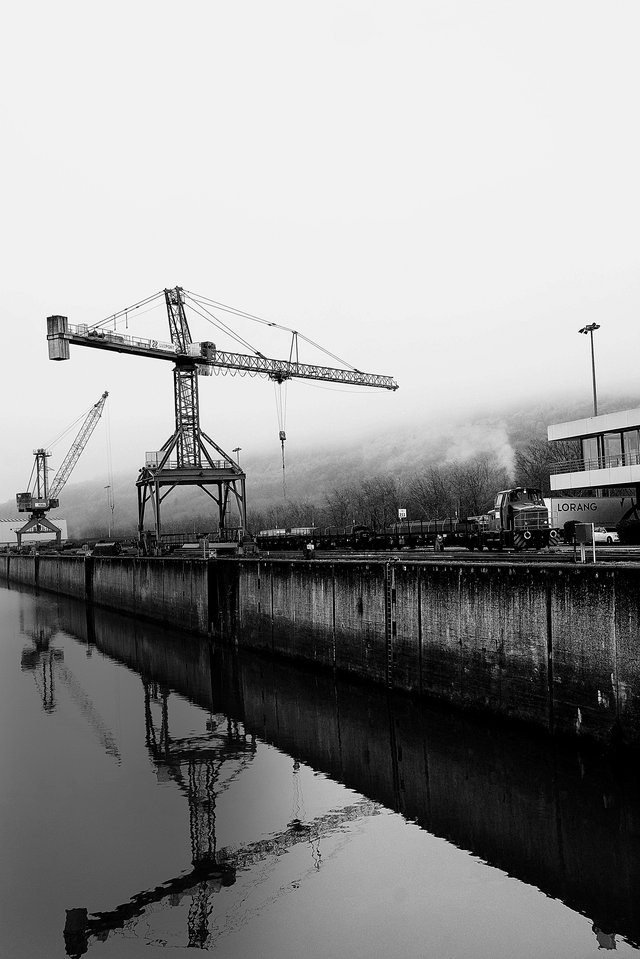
[{"x": 389, "y": 617}]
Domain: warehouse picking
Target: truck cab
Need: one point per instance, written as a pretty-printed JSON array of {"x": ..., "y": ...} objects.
[{"x": 519, "y": 520}]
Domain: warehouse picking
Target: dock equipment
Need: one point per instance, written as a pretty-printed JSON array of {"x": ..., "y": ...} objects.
[
  {"x": 189, "y": 457},
  {"x": 41, "y": 497}
]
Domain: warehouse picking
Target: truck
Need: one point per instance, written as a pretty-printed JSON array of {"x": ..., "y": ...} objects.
[
  {"x": 604, "y": 511},
  {"x": 519, "y": 520}
]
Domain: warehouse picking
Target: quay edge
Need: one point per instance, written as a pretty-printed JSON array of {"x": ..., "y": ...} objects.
[{"x": 555, "y": 647}]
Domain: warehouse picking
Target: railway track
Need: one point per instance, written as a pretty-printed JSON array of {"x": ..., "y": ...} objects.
[{"x": 555, "y": 556}]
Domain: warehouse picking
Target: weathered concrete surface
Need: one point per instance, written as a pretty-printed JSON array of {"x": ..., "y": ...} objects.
[
  {"x": 66, "y": 576},
  {"x": 311, "y": 612},
  {"x": 483, "y": 635},
  {"x": 20, "y": 568},
  {"x": 171, "y": 591},
  {"x": 558, "y": 647}
]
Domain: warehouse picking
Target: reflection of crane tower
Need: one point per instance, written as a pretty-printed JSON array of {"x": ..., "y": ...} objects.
[
  {"x": 48, "y": 666},
  {"x": 202, "y": 767},
  {"x": 41, "y": 661},
  {"x": 196, "y": 765},
  {"x": 42, "y": 497},
  {"x": 190, "y": 457}
]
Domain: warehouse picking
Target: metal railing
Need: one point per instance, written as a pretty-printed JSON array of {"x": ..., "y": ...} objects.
[
  {"x": 174, "y": 465},
  {"x": 598, "y": 463},
  {"x": 108, "y": 336}
]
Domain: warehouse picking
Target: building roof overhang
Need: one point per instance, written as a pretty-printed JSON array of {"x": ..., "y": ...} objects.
[{"x": 593, "y": 425}]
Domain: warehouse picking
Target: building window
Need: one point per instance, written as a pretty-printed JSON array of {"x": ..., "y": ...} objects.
[
  {"x": 631, "y": 447},
  {"x": 590, "y": 452},
  {"x": 613, "y": 449}
]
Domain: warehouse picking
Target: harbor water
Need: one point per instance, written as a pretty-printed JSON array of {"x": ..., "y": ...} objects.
[{"x": 161, "y": 793}]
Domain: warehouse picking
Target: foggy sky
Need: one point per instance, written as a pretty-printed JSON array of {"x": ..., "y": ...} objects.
[{"x": 444, "y": 192}]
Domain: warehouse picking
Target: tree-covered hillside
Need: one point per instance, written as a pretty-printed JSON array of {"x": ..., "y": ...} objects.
[{"x": 428, "y": 468}]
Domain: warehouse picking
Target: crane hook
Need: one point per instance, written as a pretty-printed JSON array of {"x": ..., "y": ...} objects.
[{"x": 282, "y": 437}]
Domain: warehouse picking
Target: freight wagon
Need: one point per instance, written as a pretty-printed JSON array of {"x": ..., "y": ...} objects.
[{"x": 519, "y": 520}]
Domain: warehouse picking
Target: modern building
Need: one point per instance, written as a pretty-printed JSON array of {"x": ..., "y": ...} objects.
[{"x": 609, "y": 452}]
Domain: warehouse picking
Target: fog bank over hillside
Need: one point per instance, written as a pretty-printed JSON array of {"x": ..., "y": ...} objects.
[{"x": 312, "y": 472}]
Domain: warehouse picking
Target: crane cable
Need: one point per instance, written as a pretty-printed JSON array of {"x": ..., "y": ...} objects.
[
  {"x": 277, "y": 326},
  {"x": 60, "y": 437},
  {"x": 297, "y": 804},
  {"x": 222, "y": 326},
  {"x": 281, "y": 411},
  {"x": 124, "y": 313},
  {"x": 33, "y": 469},
  {"x": 110, "y": 498},
  {"x": 68, "y": 429}
]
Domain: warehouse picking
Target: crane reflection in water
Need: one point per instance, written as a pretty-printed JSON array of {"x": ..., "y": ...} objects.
[
  {"x": 203, "y": 767},
  {"x": 46, "y": 662},
  {"x": 560, "y": 820}
]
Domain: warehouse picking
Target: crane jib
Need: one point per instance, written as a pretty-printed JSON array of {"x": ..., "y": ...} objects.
[{"x": 204, "y": 356}]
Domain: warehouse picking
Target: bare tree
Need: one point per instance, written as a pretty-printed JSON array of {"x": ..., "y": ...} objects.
[
  {"x": 536, "y": 459},
  {"x": 479, "y": 480},
  {"x": 339, "y": 507},
  {"x": 378, "y": 501},
  {"x": 435, "y": 491}
]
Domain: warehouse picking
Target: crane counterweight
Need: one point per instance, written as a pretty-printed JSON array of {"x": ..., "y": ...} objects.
[{"x": 189, "y": 456}]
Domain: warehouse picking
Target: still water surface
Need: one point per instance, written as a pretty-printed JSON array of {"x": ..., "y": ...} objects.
[{"x": 158, "y": 795}]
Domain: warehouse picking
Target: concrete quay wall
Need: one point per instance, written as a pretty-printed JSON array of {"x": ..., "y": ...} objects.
[
  {"x": 169, "y": 591},
  {"x": 556, "y": 647}
]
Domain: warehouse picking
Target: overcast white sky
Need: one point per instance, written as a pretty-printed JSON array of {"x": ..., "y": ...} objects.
[{"x": 440, "y": 191}]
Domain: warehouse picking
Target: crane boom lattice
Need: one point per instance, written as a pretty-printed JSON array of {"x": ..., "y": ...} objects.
[
  {"x": 43, "y": 497},
  {"x": 77, "y": 447},
  {"x": 189, "y": 457}
]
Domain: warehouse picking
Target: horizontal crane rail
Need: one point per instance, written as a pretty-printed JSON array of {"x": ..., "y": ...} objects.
[{"x": 208, "y": 358}]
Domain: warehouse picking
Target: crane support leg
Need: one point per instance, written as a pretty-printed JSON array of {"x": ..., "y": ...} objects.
[{"x": 38, "y": 523}]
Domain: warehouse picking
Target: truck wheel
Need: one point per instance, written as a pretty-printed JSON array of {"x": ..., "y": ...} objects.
[{"x": 609, "y": 540}]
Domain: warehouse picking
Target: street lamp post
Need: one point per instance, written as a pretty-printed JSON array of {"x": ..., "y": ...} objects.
[{"x": 589, "y": 329}]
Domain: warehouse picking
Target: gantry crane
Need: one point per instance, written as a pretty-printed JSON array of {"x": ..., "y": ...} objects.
[
  {"x": 190, "y": 457},
  {"x": 42, "y": 497}
]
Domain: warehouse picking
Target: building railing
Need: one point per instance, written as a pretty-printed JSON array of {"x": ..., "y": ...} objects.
[{"x": 598, "y": 463}]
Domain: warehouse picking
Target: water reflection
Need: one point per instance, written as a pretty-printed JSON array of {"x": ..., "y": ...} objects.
[
  {"x": 561, "y": 819},
  {"x": 202, "y": 767},
  {"x": 46, "y": 662}
]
